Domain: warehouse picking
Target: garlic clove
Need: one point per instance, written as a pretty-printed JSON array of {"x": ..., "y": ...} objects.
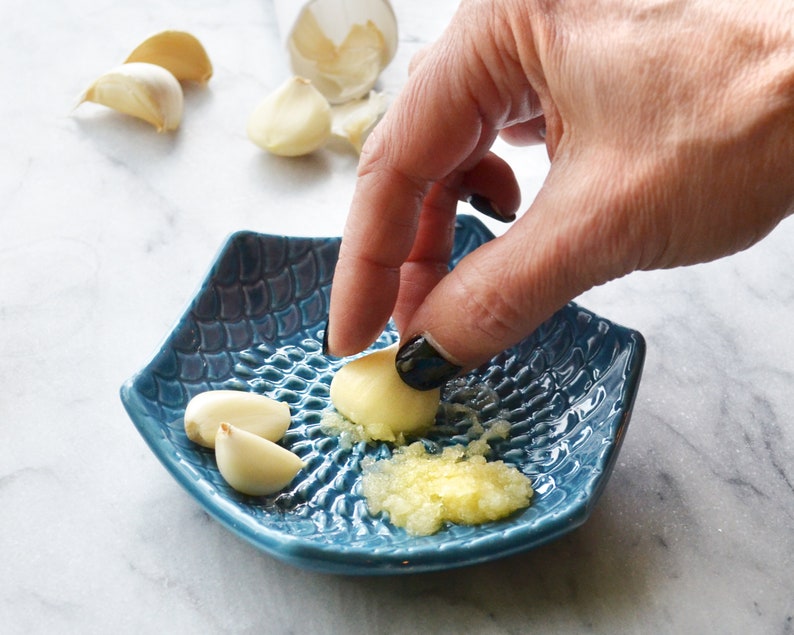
[
  {"x": 177, "y": 51},
  {"x": 248, "y": 411},
  {"x": 354, "y": 120},
  {"x": 253, "y": 465},
  {"x": 369, "y": 392},
  {"x": 292, "y": 121},
  {"x": 145, "y": 91}
]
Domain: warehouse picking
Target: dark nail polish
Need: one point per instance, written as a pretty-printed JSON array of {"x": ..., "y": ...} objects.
[
  {"x": 325, "y": 340},
  {"x": 421, "y": 366},
  {"x": 486, "y": 206}
]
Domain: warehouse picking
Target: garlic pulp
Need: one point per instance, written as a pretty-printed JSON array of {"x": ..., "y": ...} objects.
[
  {"x": 248, "y": 411},
  {"x": 422, "y": 491},
  {"x": 293, "y": 120},
  {"x": 143, "y": 90},
  {"x": 177, "y": 51},
  {"x": 253, "y": 465}
]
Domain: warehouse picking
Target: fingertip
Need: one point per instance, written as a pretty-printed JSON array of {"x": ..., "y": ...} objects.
[
  {"x": 488, "y": 208},
  {"x": 492, "y": 189}
]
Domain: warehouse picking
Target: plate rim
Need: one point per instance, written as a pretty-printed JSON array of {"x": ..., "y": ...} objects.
[{"x": 359, "y": 560}]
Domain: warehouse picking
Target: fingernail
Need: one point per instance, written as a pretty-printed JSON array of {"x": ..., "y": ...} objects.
[
  {"x": 421, "y": 366},
  {"x": 486, "y": 206},
  {"x": 325, "y": 340}
]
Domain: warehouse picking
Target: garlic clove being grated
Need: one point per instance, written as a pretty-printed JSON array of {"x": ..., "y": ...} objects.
[
  {"x": 177, "y": 51},
  {"x": 292, "y": 121},
  {"x": 369, "y": 392},
  {"x": 248, "y": 411},
  {"x": 253, "y": 465},
  {"x": 142, "y": 90}
]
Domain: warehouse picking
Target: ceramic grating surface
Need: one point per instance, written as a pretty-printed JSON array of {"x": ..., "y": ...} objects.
[{"x": 257, "y": 325}]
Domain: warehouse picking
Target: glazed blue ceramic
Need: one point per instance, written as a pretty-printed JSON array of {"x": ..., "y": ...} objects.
[{"x": 256, "y": 324}]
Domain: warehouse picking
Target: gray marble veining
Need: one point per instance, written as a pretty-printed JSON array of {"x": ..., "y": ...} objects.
[{"x": 106, "y": 228}]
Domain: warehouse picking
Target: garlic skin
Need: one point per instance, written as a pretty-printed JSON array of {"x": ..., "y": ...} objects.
[
  {"x": 145, "y": 91},
  {"x": 260, "y": 415},
  {"x": 344, "y": 72},
  {"x": 369, "y": 392},
  {"x": 292, "y": 121},
  {"x": 354, "y": 120},
  {"x": 253, "y": 465},
  {"x": 179, "y": 52},
  {"x": 356, "y": 66}
]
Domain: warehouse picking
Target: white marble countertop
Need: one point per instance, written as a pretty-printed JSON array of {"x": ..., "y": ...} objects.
[{"x": 106, "y": 229}]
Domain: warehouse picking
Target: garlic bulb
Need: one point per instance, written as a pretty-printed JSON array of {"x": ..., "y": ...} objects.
[
  {"x": 292, "y": 121},
  {"x": 248, "y": 411},
  {"x": 177, "y": 51},
  {"x": 143, "y": 90},
  {"x": 369, "y": 392},
  {"x": 253, "y": 465}
]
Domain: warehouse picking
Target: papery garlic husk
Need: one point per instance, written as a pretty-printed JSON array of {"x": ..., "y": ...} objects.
[
  {"x": 358, "y": 62},
  {"x": 253, "y": 465},
  {"x": 292, "y": 121},
  {"x": 344, "y": 72},
  {"x": 354, "y": 120},
  {"x": 258, "y": 414},
  {"x": 145, "y": 91},
  {"x": 369, "y": 392},
  {"x": 177, "y": 51}
]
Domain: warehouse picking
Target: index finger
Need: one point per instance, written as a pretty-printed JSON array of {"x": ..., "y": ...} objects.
[{"x": 431, "y": 130}]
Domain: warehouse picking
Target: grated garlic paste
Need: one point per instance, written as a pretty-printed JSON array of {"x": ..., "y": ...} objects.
[{"x": 421, "y": 491}]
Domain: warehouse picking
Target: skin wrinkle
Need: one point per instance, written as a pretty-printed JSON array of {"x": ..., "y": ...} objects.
[
  {"x": 505, "y": 106},
  {"x": 669, "y": 126},
  {"x": 391, "y": 226},
  {"x": 482, "y": 299}
]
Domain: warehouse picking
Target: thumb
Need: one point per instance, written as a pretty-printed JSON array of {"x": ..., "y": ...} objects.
[{"x": 568, "y": 241}]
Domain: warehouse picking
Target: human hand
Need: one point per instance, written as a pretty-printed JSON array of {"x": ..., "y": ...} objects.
[{"x": 670, "y": 128}]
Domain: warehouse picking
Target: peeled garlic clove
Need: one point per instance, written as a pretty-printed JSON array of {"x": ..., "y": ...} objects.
[
  {"x": 354, "y": 120},
  {"x": 177, "y": 51},
  {"x": 369, "y": 392},
  {"x": 292, "y": 121},
  {"x": 253, "y": 465},
  {"x": 257, "y": 414},
  {"x": 145, "y": 91}
]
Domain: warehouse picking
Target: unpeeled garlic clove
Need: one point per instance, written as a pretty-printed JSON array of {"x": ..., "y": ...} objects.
[
  {"x": 177, "y": 51},
  {"x": 292, "y": 121},
  {"x": 248, "y": 411},
  {"x": 253, "y": 465},
  {"x": 369, "y": 392},
  {"x": 354, "y": 120},
  {"x": 143, "y": 90}
]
